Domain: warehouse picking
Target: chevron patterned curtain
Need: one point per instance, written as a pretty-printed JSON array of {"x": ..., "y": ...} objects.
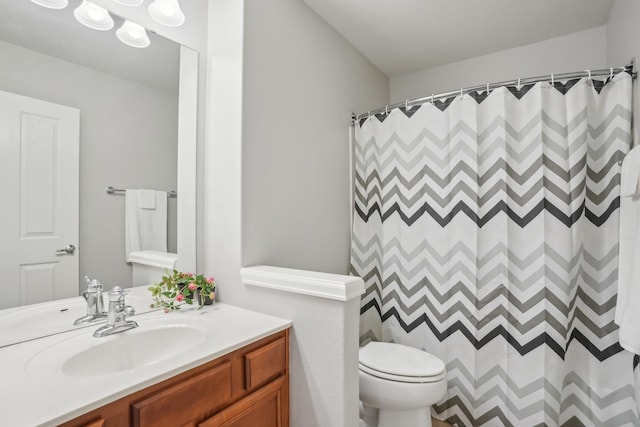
[{"x": 486, "y": 230}]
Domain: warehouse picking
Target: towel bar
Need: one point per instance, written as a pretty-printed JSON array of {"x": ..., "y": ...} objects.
[{"x": 119, "y": 191}]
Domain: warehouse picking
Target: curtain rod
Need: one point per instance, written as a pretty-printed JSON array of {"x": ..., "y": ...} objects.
[{"x": 631, "y": 68}]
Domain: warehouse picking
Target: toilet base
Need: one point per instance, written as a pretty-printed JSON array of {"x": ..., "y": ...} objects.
[
  {"x": 416, "y": 417},
  {"x": 374, "y": 417},
  {"x": 368, "y": 416}
]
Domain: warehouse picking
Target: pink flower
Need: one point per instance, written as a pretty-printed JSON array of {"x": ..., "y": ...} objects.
[
  {"x": 193, "y": 286},
  {"x": 179, "y": 297},
  {"x": 209, "y": 280}
]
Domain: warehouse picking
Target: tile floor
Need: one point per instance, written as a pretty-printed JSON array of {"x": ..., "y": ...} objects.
[{"x": 438, "y": 423}]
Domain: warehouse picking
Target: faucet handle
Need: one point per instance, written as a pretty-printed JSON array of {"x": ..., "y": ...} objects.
[
  {"x": 117, "y": 294},
  {"x": 94, "y": 286}
]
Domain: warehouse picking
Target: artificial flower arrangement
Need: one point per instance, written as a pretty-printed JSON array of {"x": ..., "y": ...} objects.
[{"x": 177, "y": 288}]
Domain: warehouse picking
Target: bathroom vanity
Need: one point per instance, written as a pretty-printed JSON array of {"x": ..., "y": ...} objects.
[
  {"x": 221, "y": 366},
  {"x": 248, "y": 387}
]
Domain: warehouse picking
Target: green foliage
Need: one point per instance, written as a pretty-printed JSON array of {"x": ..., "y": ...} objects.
[{"x": 177, "y": 288}]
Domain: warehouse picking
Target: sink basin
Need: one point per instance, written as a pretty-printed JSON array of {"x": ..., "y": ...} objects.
[{"x": 154, "y": 341}]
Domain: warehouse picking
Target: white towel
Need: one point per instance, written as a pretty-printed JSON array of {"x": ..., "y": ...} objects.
[
  {"x": 147, "y": 199},
  {"x": 628, "y": 304},
  {"x": 145, "y": 229}
]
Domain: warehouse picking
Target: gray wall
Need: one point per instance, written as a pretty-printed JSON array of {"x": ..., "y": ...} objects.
[
  {"x": 281, "y": 87},
  {"x": 623, "y": 43},
  {"x": 127, "y": 139},
  {"x": 302, "y": 80},
  {"x": 574, "y": 52}
]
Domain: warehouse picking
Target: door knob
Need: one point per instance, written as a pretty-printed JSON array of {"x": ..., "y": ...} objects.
[{"x": 69, "y": 250}]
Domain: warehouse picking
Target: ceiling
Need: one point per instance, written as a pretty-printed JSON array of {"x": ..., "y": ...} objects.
[
  {"x": 57, "y": 33},
  {"x": 403, "y": 36}
]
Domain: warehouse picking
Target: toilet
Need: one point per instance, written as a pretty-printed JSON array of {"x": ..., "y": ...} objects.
[
  {"x": 148, "y": 267},
  {"x": 398, "y": 385}
]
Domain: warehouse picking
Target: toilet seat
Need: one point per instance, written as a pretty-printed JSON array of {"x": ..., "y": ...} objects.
[{"x": 401, "y": 363}]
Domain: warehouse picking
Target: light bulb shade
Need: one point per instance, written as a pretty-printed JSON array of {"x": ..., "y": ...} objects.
[
  {"x": 133, "y": 35},
  {"x": 93, "y": 16},
  {"x": 167, "y": 12},
  {"x": 52, "y": 4},
  {"x": 130, "y": 3}
]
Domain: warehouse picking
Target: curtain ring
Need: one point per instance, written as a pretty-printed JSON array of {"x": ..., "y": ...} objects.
[
  {"x": 432, "y": 99},
  {"x": 460, "y": 92},
  {"x": 588, "y": 74},
  {"x": 369, "y": 115},
  {"x": 611, "y": 73},
  {"x": 406, "y": 105},
  {"x": 386, "y": 110},
  {"x": 487, "y": 88},
  {"x": 552, "y": 81},
  {"x": 518, "y": 83}
]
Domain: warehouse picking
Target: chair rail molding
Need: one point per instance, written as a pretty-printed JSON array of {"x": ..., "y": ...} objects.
[{"x": 322, "y": 285}]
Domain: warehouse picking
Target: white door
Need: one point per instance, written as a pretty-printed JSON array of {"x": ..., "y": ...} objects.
[{"x": 39, "y": 185}]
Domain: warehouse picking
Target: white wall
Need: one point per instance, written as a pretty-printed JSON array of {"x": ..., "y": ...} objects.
[
  {"x": 323, "y": 357},
  {"x": 127, "y": 138},
  {"x": 574, "y": 52},
  {"x": 222, "y": 175},
  {"x": 623, "y": 43}
]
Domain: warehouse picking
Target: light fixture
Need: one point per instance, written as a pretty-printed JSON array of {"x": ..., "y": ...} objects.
[
  {"x": 167, "y": 12},
  {"x": 133, "y": 35},
  {"x": 130, "y": 3},
  {"x": 93, "y": 16},
  {"x": 52, "y": 4}
]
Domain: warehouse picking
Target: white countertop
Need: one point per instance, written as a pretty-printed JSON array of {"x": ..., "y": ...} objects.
[{"x": 46, "y": 396}]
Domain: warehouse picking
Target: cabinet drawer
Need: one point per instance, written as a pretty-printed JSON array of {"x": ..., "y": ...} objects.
[
  {"x": 266, "y": 363},
  {"x": 186, "y": 401}
]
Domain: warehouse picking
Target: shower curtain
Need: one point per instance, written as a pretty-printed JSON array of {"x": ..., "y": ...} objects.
[{"x": 486, "y": 230}]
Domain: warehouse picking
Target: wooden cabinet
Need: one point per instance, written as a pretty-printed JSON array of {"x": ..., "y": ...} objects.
[
  {"x": 262, "y": 408},
  {"x": 248, "y": 387}
]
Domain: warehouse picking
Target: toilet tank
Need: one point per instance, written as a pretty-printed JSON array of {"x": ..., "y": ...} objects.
[{"x": 148, "y": 267}]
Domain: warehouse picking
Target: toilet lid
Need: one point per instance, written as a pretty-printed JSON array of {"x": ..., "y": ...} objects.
[{"x": 400, "y": 363}]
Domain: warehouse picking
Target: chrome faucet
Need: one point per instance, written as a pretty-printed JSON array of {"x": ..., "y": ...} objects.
[
  {"x": 95, "y": 304},
  {"x": 117, "y": 315}
]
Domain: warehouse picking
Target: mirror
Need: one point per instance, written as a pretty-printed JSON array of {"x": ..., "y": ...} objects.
[{"x": 132, "y": 117}]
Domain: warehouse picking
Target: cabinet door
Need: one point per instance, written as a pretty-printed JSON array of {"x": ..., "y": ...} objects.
[
  {"x": 188, "y": 400},
  {"x": 97, "y": 423},
  {"x": 265, "y": 364},
  {"x": 266, "y": 407}
]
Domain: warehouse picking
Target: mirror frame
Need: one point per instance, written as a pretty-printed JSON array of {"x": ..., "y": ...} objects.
[{"x": 187, "y": 159}]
